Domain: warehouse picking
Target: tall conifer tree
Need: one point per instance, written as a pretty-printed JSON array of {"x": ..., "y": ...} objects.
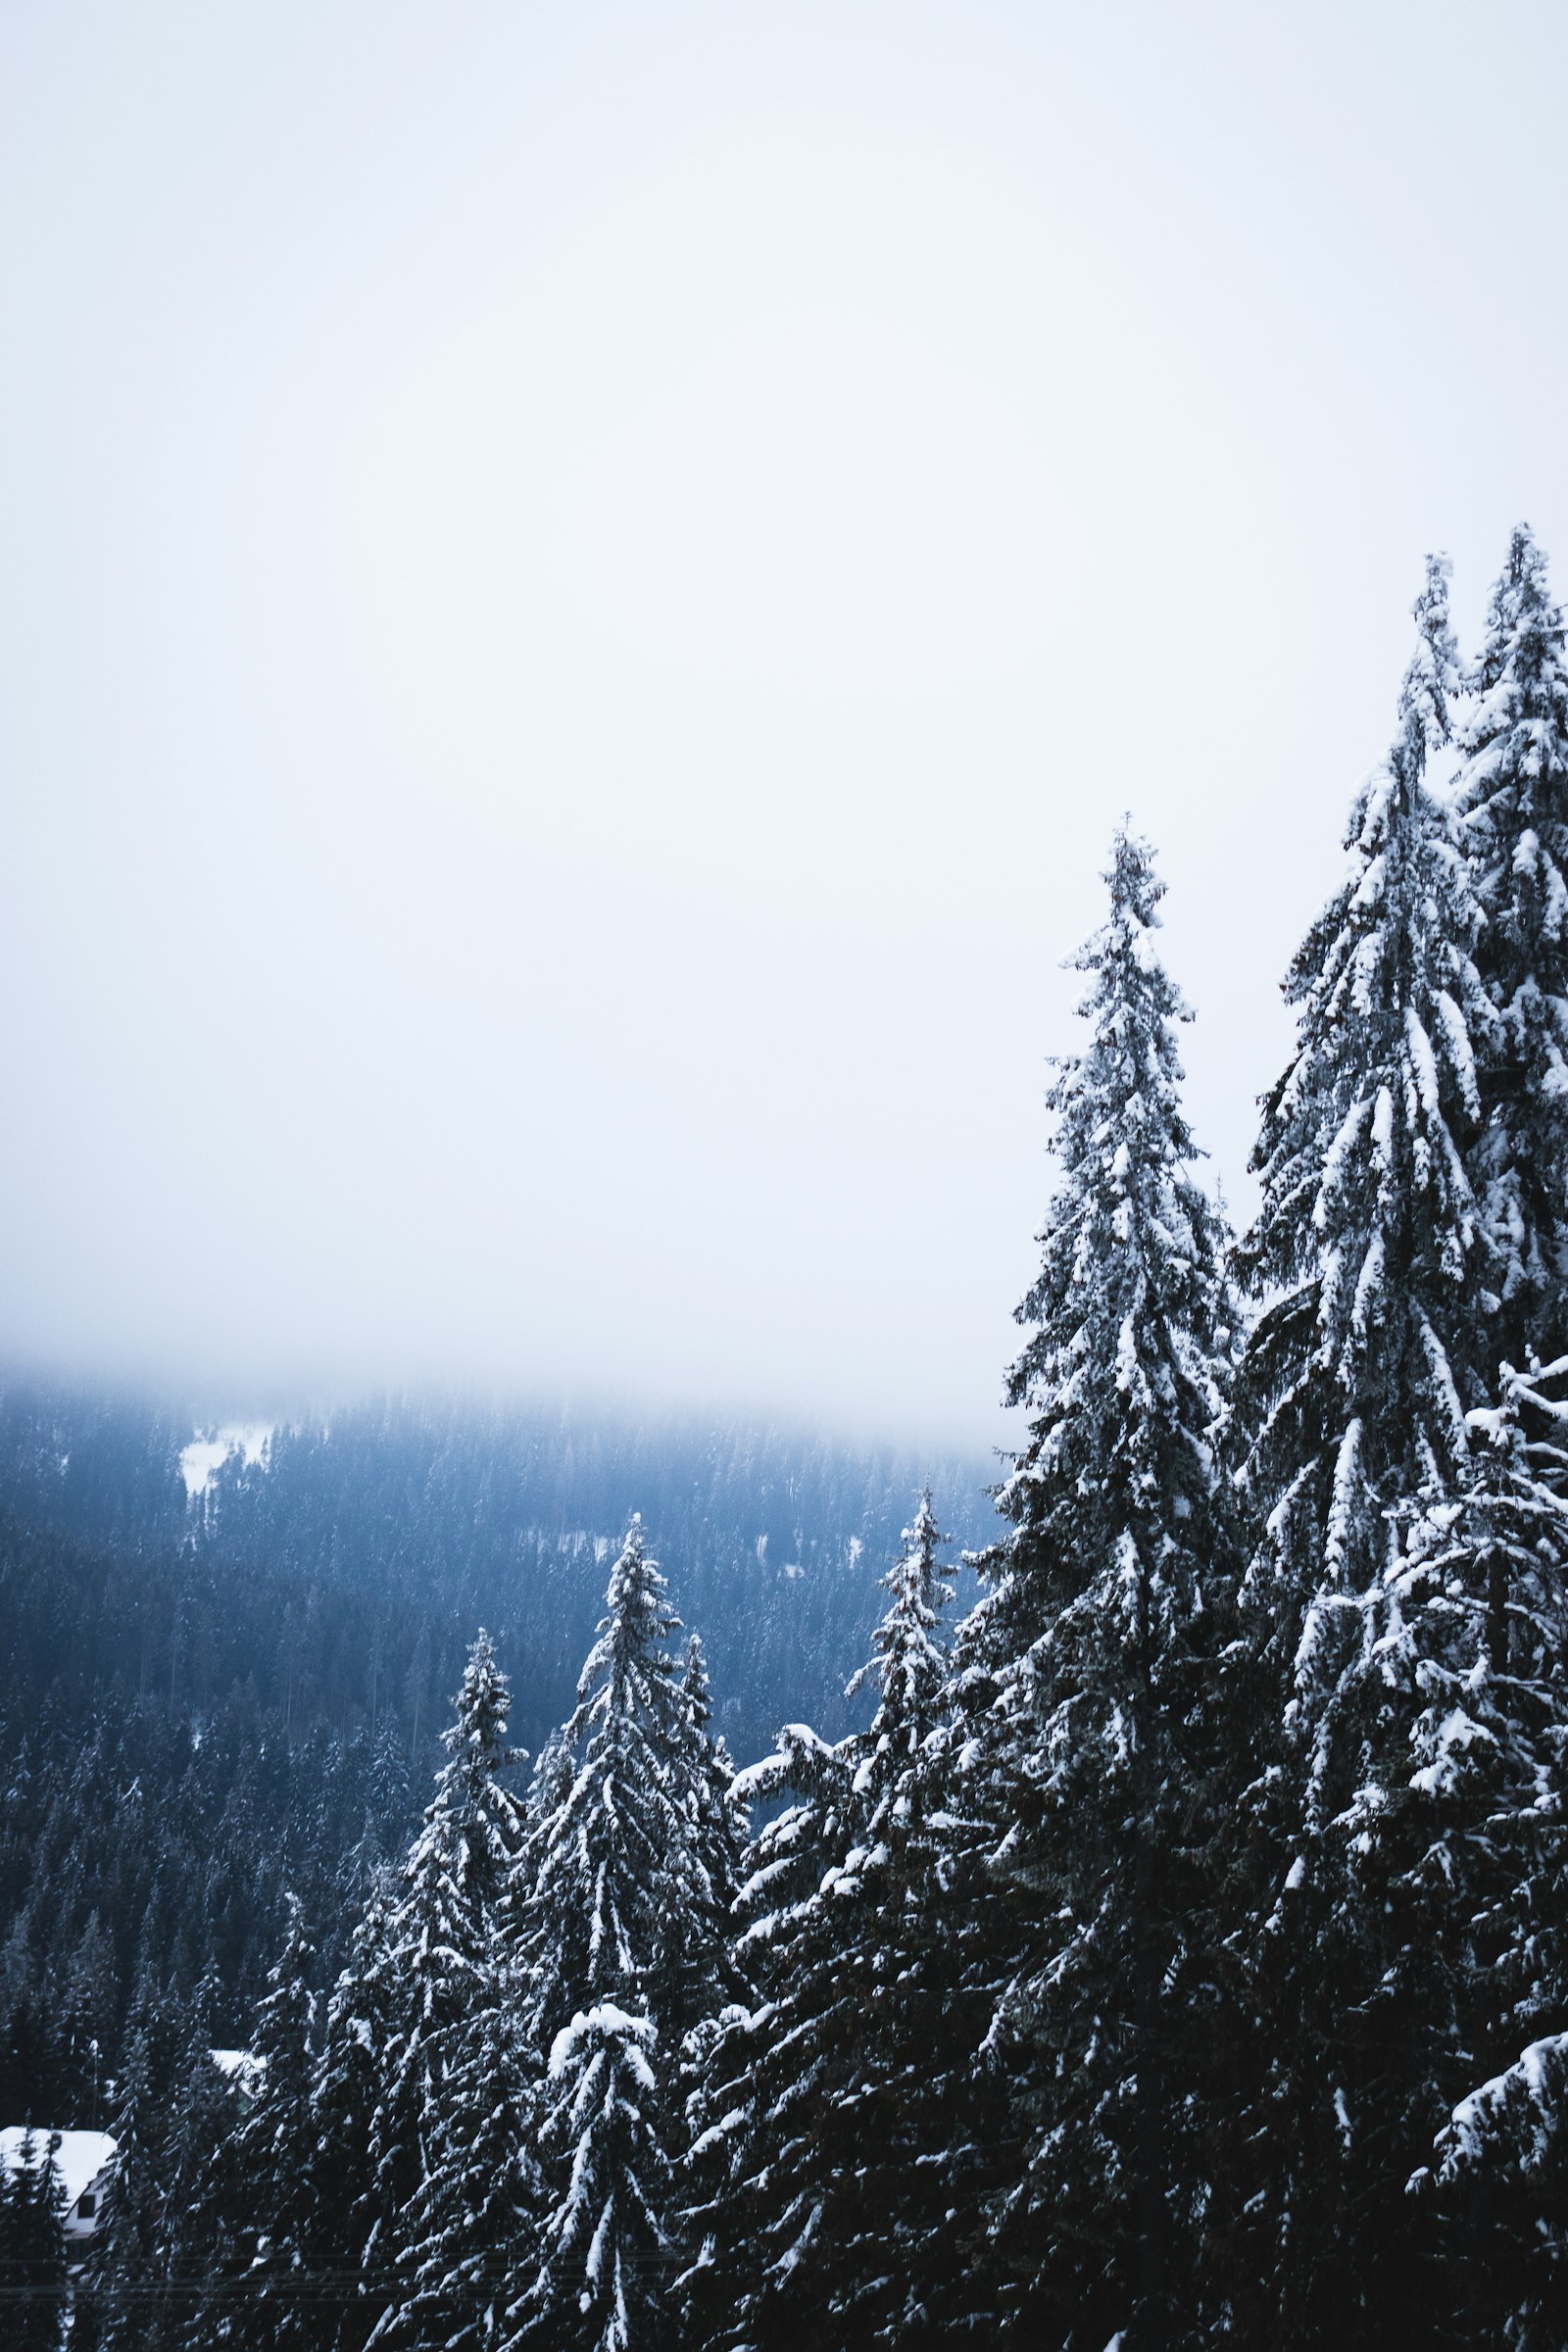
[
  {"x": 826, "y": 2200},
  {"x": 611, "y": 1860},
  {"x": 1080, "y": 1672},
  {"x": 452, "y": 2176},
  {"x": 260, "y": 2182},
  {"x": 32, "y": 2248},
  {"x": 757, "y": 2177},
  {"x": 1365, "y": 1258},
  {"x": 342, "y": 2217},
  {"x": 1465, "y": 1844},
  {"x": 697, "y": 1970},
  {"x": 1512, "y": 795}
]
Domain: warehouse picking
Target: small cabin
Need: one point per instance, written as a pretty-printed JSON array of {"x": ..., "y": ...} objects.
[{"x": 84, "y": 2162}]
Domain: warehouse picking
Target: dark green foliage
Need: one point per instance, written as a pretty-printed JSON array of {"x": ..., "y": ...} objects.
[
  {"x": 619, "y": 1899},
  {"x": 254, "y": 2199},
  {"x": 1084, "y": 1771},
  {"x": 1512, "y": 798},
  {"x": 448, "y": 2184},
  {"x": 206, "y": 1705},
  {"x": 829, "y": 2113},
  {"x": 342, "y": 2219},
  {"x": 32, "y": 2251},
  {"x": 605, "y": 2256},
  {"x": 1502, "y": 2194}
]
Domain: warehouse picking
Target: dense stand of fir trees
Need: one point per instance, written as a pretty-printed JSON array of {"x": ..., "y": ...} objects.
[
  {"x": 209, "y": 1705},
  {"x": 1177, "y": 1955}
]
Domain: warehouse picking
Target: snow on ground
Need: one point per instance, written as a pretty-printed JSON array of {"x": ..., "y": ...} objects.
[{"x": 203, "y": 1455}]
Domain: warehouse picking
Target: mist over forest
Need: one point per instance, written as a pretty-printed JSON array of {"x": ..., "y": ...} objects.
[
  {"x": 1146, "y": 1888},
  {"x": 784, "y": 1239}
]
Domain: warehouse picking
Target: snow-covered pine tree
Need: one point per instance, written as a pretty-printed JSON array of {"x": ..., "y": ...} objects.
[
  {"x": 259, "y": 2182},
  {"x": 1364, "y": 1248},
  {"x": 822, "y": 2177},
  {"x": 1461, "y": 1839},
  {"x": 1081, "y": 1676},
  {"x": 1352, "y": 1400},
  {"x": 452, "y": 2169},
  {"x": 1506, "y": 2148},
  {"x": 1446, "y": 1931},
  {"x": 922, "y": 2114},
  {"x": 846, "y": 2193},
  {"x": 609, "y": 1850},
  {"x": 698, "y": 1973},
  {"x": 32, "y": 2248},
  {"x": 480, "y": 2215},
  {"x": 343, "y": 2221},
  {"x": 124, "y": 2297},
  {"x": 195, "y": 2207},
  {"x": 610, "y": 1858},
  {"x": 753, "y": 2187},
  {"x": 605, "y": 2254},
  {"x": 1512, "y": 796}
]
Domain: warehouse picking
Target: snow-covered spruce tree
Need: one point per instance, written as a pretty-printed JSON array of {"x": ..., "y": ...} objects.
[
  {"x": 1364, "y": 1251},
  {"x": 259, "y": 2181},
  {"x": 452, "y": 2170},
  {"x": 829, "y": 2102},
  {"x": 1448, "y": 1929},
  {"x": 197, "y": 2209},
  {"x": 881, "y": 2252},
  {"x": 605, "y": 2251},
  {"x": 594, "y": 1918},
  {"x": 1512, "y": 796},
  {"x": 343, "y": 2221},
  {"x": 1464, "y": 1846},
  {"x": 1352, "y": 1398},
  {"x": 698, "y": 1970},
  {"x": 124, "y": 2300},
  {"x": 1081, "y": 1672},
  {"x": 752, "y": 2187},
  {"x": 32, "y": 2247},
  {"x": 479, "y": 2213},
  {"x": 611, "y": 1859},
  {"x": 1505, "y": 2147}
]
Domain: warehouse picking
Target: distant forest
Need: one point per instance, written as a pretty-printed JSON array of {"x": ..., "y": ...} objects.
[
  {"x": 1173, "y": 1947},
  {"x": 207, "y": 1701}
]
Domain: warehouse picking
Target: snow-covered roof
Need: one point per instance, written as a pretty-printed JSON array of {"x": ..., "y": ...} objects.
[
  {"x": 80, "y": 2157},
  {"x": 242, "y": 2068}
]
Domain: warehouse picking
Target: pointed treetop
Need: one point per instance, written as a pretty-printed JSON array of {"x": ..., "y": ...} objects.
[
  {"x": 923, "y": 1539},
  {"x": 608, "y": 1854},
  {"x": 637, "y": 1622},
  {"x": 1365, "y": 1247},
  {"x": 458, "y": 1864},
  {"x": 915, "y": 1581},
  {"x": 1127, "y": 970},
  {"x": 483, "y": 1705},
  {"x": 1520, "y": 609},
  {"x": 1128, "y": 1228},
  {"x": 918, "y": 1596},
  {"x": 1433, "y": 676},
  {"x": 695, "y": 1682},
  {"x": 908, "y": 1665},
  {"x": 1513, "y": 790},
  {"x": 1136, "y": 889}
]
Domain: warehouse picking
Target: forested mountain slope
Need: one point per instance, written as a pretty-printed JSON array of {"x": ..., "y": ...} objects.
[{"x": 207, "y": 1699}]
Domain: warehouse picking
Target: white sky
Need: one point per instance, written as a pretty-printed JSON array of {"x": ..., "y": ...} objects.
[{"x": 581, "y": 588}]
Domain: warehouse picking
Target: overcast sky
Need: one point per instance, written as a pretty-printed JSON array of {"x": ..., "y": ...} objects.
[{"x": 582, "y": 589}]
